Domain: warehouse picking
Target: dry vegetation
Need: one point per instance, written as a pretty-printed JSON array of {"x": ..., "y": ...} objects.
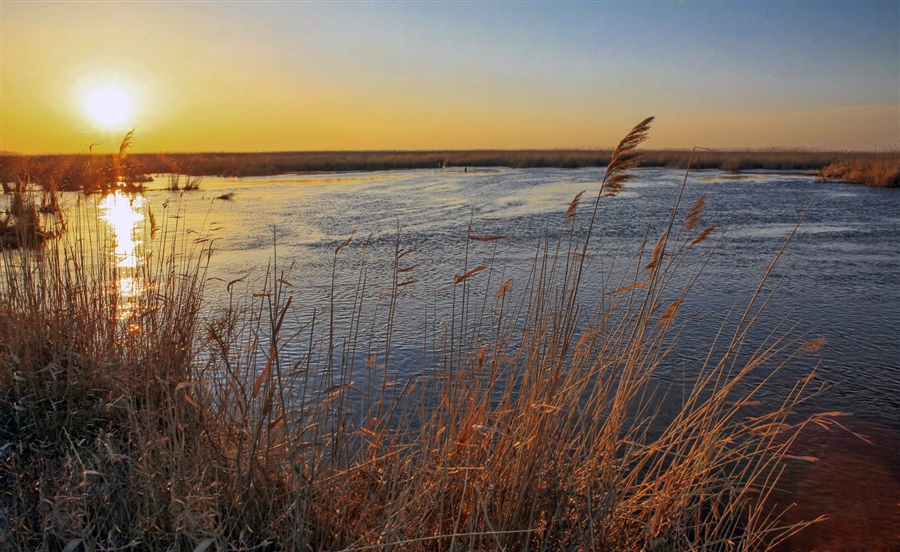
[
  {"x": 85, "y": 173},
  {"x": 178, "y": 182},
  {"x": 142, "y": 423},
  {"x": 98, "y": 172},
  {"x": 883, "y": 173},
  {"x": 23, "y": 223}
]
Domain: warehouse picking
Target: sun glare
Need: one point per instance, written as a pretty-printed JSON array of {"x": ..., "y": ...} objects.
[
  {"x": 125, "y": 217},
  {"x": 108, "y": 105}
]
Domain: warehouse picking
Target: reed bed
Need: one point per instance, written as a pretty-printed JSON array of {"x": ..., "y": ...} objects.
[
  {"x": 882, "y": 173},
  {"x": 98, "y": 172},
  {"x": 147, "y": 422},
  {"x": 23, "y": 223},
  {"x": 88, "y": 173}
]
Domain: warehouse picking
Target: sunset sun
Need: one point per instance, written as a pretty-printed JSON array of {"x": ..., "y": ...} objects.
[
  {"x": 450, "y": 275},
  {"x": 108, "y": 105}
]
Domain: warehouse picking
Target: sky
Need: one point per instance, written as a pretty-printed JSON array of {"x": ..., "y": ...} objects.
[{"x": 290, "y": 75}]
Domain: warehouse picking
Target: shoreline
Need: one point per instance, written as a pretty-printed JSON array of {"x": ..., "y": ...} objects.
[{"x": 96, "y": 172}]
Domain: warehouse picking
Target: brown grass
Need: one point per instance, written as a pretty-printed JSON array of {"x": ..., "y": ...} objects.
[
  {"x": 88, "y": 173},
  {"x": 188, "y": 183},
  {"x": 883, "y": 173},
  {"x": 98, "y": 172},
  {"x": 23, "y": 224},
  {"x": 531, "y": 424}
]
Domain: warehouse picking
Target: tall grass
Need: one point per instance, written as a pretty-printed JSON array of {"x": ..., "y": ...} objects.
[
  {"x": 267, "y": 163},
  {"x": 88, "y": 173},
  {"x": 22, "y": 223},
  {"x": 188, "y": 183},
  {"x": 883, "y": 173},
  {"x": 529, "y": 425}
]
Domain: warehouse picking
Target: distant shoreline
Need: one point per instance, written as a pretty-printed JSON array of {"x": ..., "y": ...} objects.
[{"x": 69, "y": 171}]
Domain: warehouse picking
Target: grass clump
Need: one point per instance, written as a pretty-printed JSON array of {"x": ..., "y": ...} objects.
[
  {"x": 93, "y": 427},
  {"x": 189, "y": 183},
  {"x": 882, "y": 173},
  {"x": 138, "y": 421},
  {"x": 22, "y": 224}
]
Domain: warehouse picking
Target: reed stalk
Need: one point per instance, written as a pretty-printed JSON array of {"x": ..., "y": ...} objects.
[{"x": 150, "y": 422}]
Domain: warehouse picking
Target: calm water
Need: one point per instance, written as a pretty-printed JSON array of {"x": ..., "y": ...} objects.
[{"x": 842, "y": 284}]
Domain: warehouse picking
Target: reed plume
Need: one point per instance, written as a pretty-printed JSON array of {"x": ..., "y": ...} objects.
[
  {"x": 695, "y": 215},
  {"x": 125, "y": 145},
  {"x": 624, "y": 158},
  {"x": 526, "y": 421},
  {"x": 573, "y": 207}
]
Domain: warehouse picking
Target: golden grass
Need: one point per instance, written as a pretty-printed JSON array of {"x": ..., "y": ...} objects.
[
  {"x": 883, "y": 173},
  {"x": 140, "y": 423},
  {"x": 179, "y": 183},
  {"x": 22, "y": 225},
  {"x": 99, "y": 172},
  {"x": 87, "y": 173}
]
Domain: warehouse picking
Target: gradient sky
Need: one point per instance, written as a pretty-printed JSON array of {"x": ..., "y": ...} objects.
[{"x": 247, "y": 76}]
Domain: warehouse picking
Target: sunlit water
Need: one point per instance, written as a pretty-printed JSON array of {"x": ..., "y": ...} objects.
[
  {"x": 124, "y": 218},
  {"x": 842, "y": 284}
]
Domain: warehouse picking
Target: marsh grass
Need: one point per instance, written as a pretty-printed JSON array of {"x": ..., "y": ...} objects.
[
  {"x": 531, "y": 424},
  {"x": 88, "y": 407},
  {"x": 23, "y": 223},
  {"x": 269, "y": 163},
  {"x": 882, "y": 173},
  {"x": 97, "y": 172},
  {"x": 187, "y": 183},
  {"x": 88, "y": 173}
]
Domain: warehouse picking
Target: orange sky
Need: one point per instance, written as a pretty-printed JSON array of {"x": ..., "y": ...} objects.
[{"x": 289, "y": 76}]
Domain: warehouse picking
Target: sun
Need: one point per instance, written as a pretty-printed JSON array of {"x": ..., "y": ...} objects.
[{"x": 108, "y": 105}]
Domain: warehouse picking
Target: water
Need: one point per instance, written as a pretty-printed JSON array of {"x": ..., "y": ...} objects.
[
  {"x": 841, "y": 284},
  {"x": 843, "y": 259}
]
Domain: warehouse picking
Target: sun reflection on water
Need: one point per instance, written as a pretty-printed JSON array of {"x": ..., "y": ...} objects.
[{"x": 125, "y": 216}]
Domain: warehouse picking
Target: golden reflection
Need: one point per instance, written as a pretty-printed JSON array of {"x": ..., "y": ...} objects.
[
  {"x": 125, "y": 216},
  {"x": 127, "y": 286}
]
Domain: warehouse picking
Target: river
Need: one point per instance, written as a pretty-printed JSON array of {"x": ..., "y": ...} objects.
[{"x": 841, "y": 286}]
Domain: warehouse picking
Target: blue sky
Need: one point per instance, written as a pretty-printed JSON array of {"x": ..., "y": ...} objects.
[{"x": 427, "y": 75}]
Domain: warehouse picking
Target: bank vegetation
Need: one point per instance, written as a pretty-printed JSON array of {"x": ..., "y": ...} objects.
[{"x": 150, "y": 421}]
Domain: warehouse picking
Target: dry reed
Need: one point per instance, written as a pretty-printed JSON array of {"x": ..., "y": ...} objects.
[
  {"x": 189, "y": 184},
  {"x": 98, "y": 172},
  {"x": 138, "y": 423},
  {"x": 883, "y": 173}
]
